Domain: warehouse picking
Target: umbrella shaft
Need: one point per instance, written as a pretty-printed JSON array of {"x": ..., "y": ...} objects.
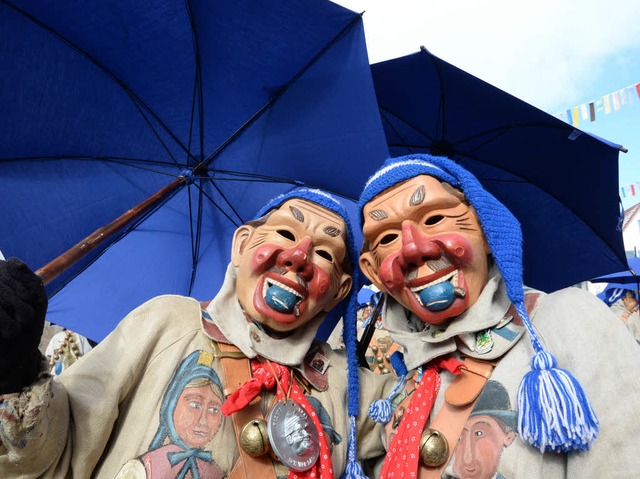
[{"x": 67, "y": 259}]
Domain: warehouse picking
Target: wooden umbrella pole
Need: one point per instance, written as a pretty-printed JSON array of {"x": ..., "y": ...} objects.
[{"x": 53, "y": 269}]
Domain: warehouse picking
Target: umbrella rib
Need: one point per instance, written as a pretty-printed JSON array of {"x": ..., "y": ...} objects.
[
  {"x": 246, "y": 175},
  {"x": 395, "y": 130},
  {"x": 226, "y": 200},
  {"x": 204, "y": 193},
  {"x": 122, "y": 160},
  {"x": 195, "y": 239},
  {"x": 101, "y": 67},
  {"x": 142, "y": 111},
  {"x": 282, "y": 91},
  {"x": 197, "y": 90},
  {"x": 441, "y": 106}
]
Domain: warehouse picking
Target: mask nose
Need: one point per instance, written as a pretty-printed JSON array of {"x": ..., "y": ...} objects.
[
  {"x": 417, "y": 248},
  {"x": 296, "y": 259}
]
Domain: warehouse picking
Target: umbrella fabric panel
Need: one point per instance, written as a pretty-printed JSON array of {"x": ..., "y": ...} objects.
[
  {"x": 51, "y": 205},
  {"x": 323, "y": 131},
  {"x": 154, "y": 258},
  {"x": 64, "y": 102}
]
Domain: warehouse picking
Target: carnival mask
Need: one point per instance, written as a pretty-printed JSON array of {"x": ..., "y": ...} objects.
[
  {"x": 425, "y": 247},
  {"x": 291, "y": 265}
]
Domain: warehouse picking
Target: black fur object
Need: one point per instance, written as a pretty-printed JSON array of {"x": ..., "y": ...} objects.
[{"x": 23, "y": 307}]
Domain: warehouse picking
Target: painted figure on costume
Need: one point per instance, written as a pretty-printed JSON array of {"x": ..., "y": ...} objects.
[
  {"x": 490, "y": 429},
  {"x": 190, "y": 417}
]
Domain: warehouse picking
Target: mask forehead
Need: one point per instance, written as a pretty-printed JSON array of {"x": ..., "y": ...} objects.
[
  {"x": 407, "y": 200},
  {"x": 324, "y": 226}
]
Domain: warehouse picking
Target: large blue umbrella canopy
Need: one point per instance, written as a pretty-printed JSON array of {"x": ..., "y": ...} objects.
[
  {"x": 560, "y": 182},
  {"x": 220, "y": 105}
]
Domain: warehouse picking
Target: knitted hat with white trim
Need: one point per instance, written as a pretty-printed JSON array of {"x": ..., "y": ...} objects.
[
  {"x": 347, "y": 308},
  {"x": 554, "y": 412}
]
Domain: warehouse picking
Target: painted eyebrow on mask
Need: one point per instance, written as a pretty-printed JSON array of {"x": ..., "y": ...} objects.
[
  {"x": 378, "y": 215},
  {"x": 332, "y": 231},
  {"x": 417, "y": 197},
  {"x": 329, "y": 230},
  {"x": 297, "y": 214}
]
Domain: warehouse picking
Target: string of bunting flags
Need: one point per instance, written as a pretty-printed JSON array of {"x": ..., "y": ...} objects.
[
  {"x": 613, "y": 101},
  {"x": 607, "y": 103}
]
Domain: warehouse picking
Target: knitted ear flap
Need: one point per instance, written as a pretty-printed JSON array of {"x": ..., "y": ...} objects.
[{"x": 554, "y": 412}]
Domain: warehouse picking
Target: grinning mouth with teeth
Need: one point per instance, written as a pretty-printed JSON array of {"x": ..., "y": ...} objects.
[
  {"x": 288, "y": 300},
  {"x": 451, "y": 277}
]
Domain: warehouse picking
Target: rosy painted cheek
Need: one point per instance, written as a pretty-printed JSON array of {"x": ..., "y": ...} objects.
[
  {"x": 457, "y": 248},
  {"x": 320, "y": 284},
  {"x": 265, "y": 257},
  {"x": 391, "y": 273}
]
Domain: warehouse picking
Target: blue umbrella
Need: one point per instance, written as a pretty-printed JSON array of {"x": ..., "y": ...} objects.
[
  {"x": 177, "y": 119},
  {"x": 626, "y": 276},
  {"x": 560, "y": 182}
]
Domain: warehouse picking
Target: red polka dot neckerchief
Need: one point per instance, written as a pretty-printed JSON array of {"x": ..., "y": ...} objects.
[
  {"x": 403, "y": 454},
  {"x": 263, "y": 378}
]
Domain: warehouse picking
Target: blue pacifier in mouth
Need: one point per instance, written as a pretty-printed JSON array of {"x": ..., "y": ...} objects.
[
  {"x": 280, "y": 299},
  {"x": 438, "y": 297}
]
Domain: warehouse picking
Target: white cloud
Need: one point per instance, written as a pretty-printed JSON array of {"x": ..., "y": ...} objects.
[{"x": 547, "y": 53}]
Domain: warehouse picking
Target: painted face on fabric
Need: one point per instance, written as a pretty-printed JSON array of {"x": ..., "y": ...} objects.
[
  {"x": 197, "y": 415},
  {"x": 291, "y": 267},
  {"x": 425, "y": 247},
  {"x": 480, "y": 448}
]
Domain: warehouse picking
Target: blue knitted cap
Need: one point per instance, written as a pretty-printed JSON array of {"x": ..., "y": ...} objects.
[
  {"x": 554, "y": 412},
  {"x": 347, "y": 308},
  {"x": 501, "y": 228}
]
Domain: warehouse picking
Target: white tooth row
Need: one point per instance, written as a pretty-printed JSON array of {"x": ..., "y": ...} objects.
[
  {"x": 279, "y": 285},
  {"x": 453, "y": 276}
]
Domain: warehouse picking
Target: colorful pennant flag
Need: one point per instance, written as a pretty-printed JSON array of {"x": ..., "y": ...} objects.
[
  {"x": 630, "y": 190},
  {"x": 613, "y": 101}
]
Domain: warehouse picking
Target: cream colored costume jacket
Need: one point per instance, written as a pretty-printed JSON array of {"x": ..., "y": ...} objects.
[
  {"x": 112, "y": 412},
  {"x": 586, "y": 339}
]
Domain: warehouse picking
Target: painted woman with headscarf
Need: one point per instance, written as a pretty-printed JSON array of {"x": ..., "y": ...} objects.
[{"x": 189, "y": 419}]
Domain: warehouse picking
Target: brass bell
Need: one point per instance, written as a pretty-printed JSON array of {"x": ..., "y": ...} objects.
[
  {"x": 374, "y": 349},
  {"x": 254, "y": 438},
  {"x": 434, "y": 449}
]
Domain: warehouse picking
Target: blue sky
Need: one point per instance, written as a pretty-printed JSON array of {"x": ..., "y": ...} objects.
[{"x": 554, "y": 54}]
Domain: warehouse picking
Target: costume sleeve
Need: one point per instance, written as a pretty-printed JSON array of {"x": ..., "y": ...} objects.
[
  {"x": 593, "y": 344},
  {"x": 66, "y": 424},
  {"x": 33, "y": 429}
]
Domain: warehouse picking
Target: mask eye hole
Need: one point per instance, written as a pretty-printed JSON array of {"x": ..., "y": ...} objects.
[
  {"x": 386, "y": 239},
  {"x": 433, "y": 220},
  {"x": 325, "y": 254},
  {"x": 287, "y": 234}
]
